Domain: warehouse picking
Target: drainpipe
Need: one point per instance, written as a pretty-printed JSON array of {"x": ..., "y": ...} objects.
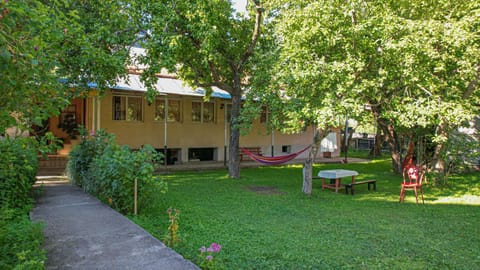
[
  {"x": 165, "y": 132},
  {"x": 346, "y": 137},
  {"x": 273, "y": 141},
  {"x": 225, "y": 135}
]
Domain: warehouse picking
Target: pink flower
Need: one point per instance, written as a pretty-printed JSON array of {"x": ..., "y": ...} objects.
[
  {"x": 92, "y": 133},
  {"x": 209, "y": 258},
  {"x": 203, "y": 249},
  {"x": 214, "y": 247}
]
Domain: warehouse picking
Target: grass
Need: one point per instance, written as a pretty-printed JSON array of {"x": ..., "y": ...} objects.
[{"x": 287, "y": 230}]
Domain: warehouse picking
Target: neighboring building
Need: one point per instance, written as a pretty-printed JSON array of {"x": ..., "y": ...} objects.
[{"x": 179, "y": 120}]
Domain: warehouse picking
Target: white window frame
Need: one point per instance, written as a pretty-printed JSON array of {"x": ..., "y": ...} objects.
[
  {"x": 125, "y": 109},
  {"x": 202, "y": 112},
  {"x": 167, "y": 103}
]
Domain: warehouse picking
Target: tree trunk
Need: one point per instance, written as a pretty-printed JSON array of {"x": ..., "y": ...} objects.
[
  {"x": 409, "y": 158},
  {"x": 438, "y": 164},
  {"x": 393, "y": 141},
  {"x": 234, "y": 140},
  {"x": 308, "y": 165},
  {"x": 236, "y": 93},
  {"x": 376, "y": 151},
  {"x": 344, "y": 147}
]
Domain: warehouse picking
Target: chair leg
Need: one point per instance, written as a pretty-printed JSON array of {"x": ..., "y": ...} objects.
[{"x": 402, "y": 194}]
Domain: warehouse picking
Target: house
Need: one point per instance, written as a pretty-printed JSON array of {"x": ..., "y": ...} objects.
[{"x": 180, "y": 121}]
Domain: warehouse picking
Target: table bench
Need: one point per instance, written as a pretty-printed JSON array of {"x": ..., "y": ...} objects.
[
  {"x": 253, "y": 150},
  {"x": 351, "y": 186}
]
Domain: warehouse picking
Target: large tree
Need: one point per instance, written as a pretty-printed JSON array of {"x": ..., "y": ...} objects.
[
  {"x": 414, "y": 65},
  {"x": 315, "y": 70},
  {"x": 441, "y": 52},
  {"x": 51, "y": 50},
  {"x": 206, "y": 44}
]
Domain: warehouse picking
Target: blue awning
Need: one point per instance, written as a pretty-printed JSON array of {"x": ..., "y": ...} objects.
[{"x": 216, "y": 93}]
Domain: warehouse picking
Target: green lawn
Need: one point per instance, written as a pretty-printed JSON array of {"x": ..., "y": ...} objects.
[{"x": 288, "y": 230}]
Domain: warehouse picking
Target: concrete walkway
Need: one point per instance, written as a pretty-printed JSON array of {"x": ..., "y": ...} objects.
[{"x": 83, "y": 233}]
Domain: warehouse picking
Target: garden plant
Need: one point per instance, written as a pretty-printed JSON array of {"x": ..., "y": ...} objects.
[
  {"x": 108, "y": 171},
  {"x": 20, "y": 239}
]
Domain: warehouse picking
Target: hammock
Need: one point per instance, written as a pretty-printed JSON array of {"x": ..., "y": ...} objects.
[{"x": 273, "y": 160}]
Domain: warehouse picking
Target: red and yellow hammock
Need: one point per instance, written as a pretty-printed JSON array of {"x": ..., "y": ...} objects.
[{"x": 273, "y": 160}]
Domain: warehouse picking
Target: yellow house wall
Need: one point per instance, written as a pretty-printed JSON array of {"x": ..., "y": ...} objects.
[{"x": 187, "y": 134}]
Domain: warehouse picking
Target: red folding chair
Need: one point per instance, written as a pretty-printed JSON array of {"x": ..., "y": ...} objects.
[{"x": 412, "y": 180}]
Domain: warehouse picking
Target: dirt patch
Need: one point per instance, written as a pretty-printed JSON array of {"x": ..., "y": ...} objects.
[{"x": 265, "y": 190}]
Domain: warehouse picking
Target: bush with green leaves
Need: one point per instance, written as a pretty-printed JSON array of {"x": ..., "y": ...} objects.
[
  {"x": 82, "y": 155},
  {"x": 108, "y": 171},
  {"x": 114, "y": 172},
  {"x": 20, "y": 241},
  {"x": 18, "y": 168}
]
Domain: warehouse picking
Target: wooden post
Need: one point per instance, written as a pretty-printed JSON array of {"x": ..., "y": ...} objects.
[{"x": 135, "y": 197}]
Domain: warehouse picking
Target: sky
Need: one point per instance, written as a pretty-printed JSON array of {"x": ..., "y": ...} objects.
[{"x": 240, "y": 5}]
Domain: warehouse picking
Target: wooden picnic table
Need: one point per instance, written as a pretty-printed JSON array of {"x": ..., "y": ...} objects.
[{"x": 335, "y": 177}]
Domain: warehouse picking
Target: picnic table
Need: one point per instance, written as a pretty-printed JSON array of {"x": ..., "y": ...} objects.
[{"x": 335, "y": 177}]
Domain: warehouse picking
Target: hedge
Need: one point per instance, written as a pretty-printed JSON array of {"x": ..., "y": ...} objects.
[
  {"x": 18, "y": 168},
  {"x": 20, "y": 239},
  {"x": 108, "y": 171}
]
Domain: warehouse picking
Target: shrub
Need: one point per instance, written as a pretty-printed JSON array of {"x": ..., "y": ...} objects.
[
  {"x": 18, "y": 168},
  {"x": 113, "y": 175},
  {"x": 20, "y": 241},
  {"x": 107, "y": 171},
  {"x": 82, "y": 155}
]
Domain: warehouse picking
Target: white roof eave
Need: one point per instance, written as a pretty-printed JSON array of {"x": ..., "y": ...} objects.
[{"x": 166, "y": 86}]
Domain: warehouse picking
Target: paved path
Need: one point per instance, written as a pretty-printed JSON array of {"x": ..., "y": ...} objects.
[{"x": 83, "y": 233}]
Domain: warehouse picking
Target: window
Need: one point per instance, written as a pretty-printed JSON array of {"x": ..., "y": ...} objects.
[
  {"x": 203, "y": 112},
  {"x": 196, "y": 111},
  {"x": 208, "y": 112},
  {"x": 173, "y": 110},
  {"x": 201, "y": 154},
  {"x": 127, "y": 108}
]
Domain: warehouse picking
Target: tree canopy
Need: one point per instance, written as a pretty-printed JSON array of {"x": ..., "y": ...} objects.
[
  {"x": 51, "y": 50},
  {"x": 414, "y": 65}
]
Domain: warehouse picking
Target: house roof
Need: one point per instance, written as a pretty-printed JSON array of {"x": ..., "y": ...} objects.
[{"x": 165, "y": 86}]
